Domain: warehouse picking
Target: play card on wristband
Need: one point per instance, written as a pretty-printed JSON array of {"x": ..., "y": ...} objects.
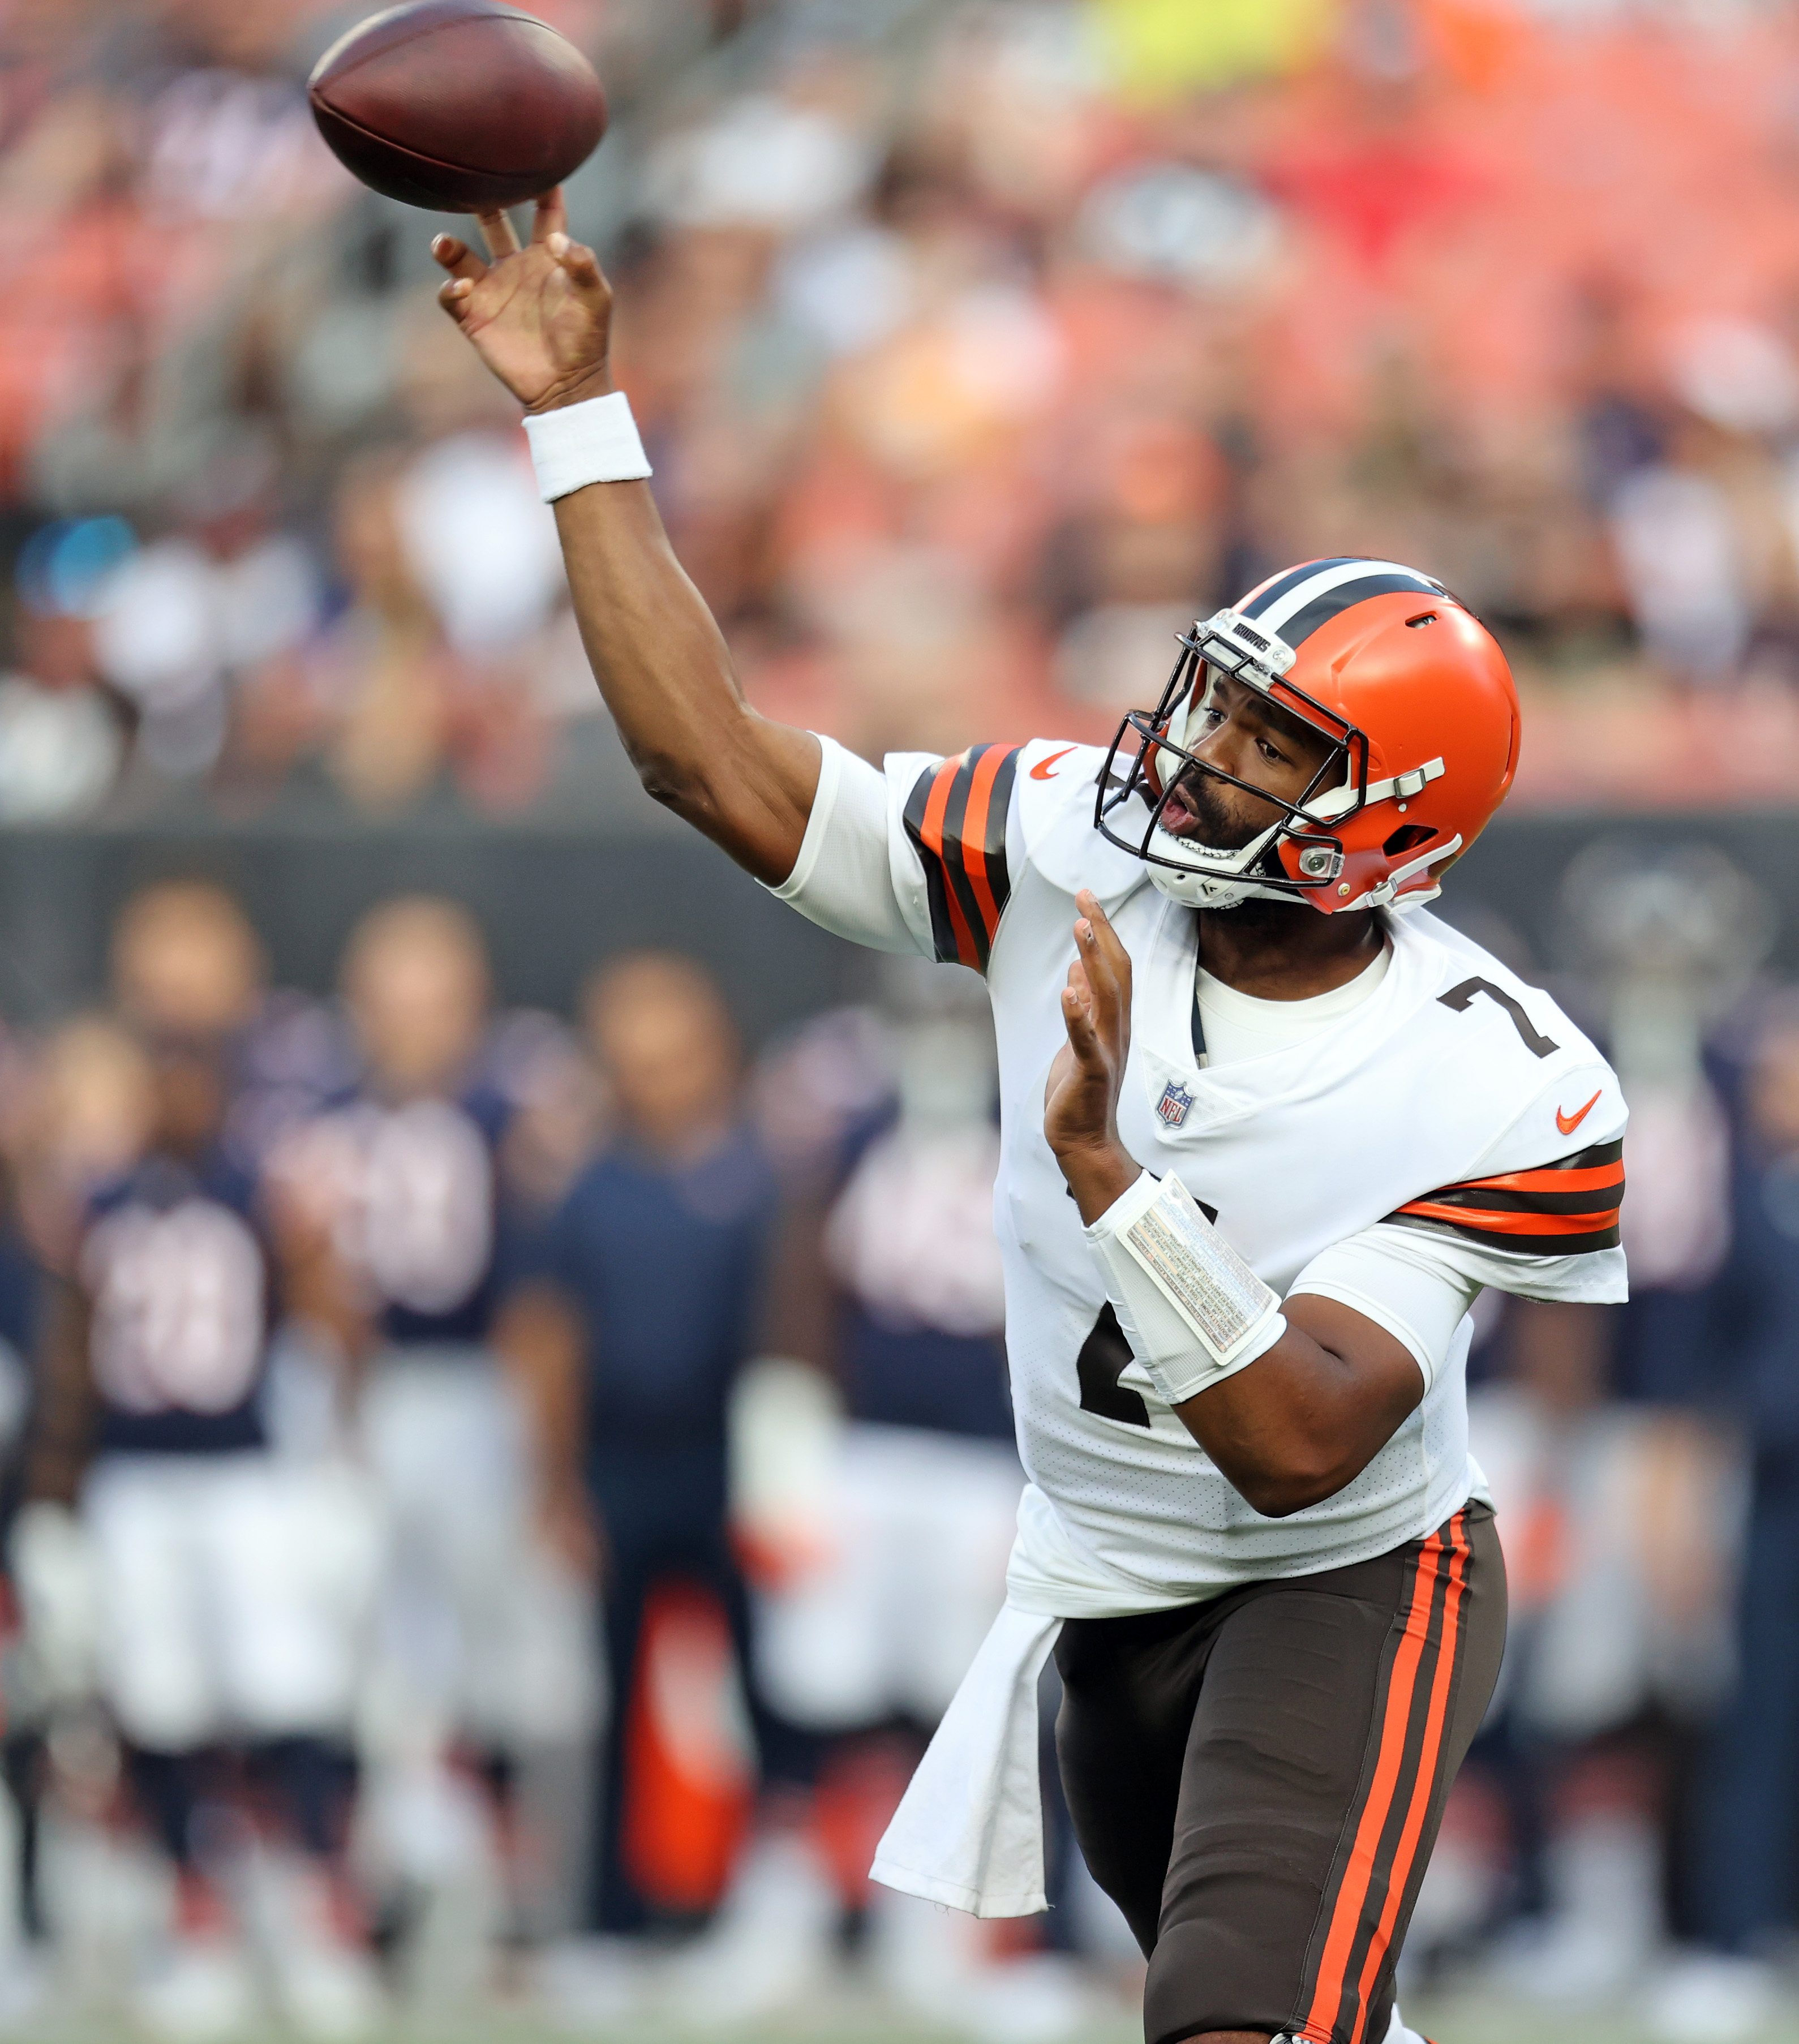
[
  {"x": 1215, "y": 1292},
  {"x": 1193, "y": 1308}
]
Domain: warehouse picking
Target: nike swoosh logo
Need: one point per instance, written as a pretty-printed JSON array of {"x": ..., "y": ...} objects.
[
  {"x": 1568, "y": 1123},
  {"x": 1040, "y": 772}
]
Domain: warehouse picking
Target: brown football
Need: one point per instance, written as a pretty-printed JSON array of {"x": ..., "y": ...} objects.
[{"x": 458, "y": 105}]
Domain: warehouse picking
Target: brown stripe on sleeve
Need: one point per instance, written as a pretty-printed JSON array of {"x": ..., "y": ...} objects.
[
  {"x": 1566, "y": 1209},
  {"x": 956, "y": 815}
]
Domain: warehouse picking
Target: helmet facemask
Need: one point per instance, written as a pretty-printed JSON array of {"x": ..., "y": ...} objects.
[{"x": 1206, "y": 876}]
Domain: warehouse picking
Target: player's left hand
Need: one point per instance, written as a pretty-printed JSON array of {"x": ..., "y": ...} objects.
[{"x": 1081, "y": 1098}]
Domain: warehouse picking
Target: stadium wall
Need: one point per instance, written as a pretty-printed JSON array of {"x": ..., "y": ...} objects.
[{"x": 554, "y": 900}]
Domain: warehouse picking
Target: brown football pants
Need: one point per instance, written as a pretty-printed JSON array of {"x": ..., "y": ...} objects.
[{"x": 1257, "y": 1782}]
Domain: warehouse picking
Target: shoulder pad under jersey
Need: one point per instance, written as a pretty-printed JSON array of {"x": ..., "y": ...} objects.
[
  {"x": 1548, "y": 1178},
  {"x": 1058, "y": 785}
]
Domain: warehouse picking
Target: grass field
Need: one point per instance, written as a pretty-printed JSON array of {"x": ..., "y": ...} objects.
[{"x": 1465, "y": 2018}]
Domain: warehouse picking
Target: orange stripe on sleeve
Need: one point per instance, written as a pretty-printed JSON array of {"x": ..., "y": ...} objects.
[
  {"x": 974, "y": 834},
  {"x": 1596, "y": 1179},
  {"x": 1530, "y": 1225},
  {"x": 931, "y": 831}
]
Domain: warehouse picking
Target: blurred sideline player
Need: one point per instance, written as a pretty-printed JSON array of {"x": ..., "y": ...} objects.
[
  {"x": 882, "y": 1572},
  {"x": 1746, "y": 1821},
  {"x": 646, "y": 1309},
  {"x": 1265, "y": 1140},
  {"x": 928, "y": 1466},
  {"x": 25, "y": 1293},
  {"x": 186, "y": 962},
  {"x": 400, "y": 1186},
  {"x": 231, "y": 1580}
]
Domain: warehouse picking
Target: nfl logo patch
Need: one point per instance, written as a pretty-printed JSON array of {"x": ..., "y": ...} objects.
[{"x": 1174, "y": 1104}]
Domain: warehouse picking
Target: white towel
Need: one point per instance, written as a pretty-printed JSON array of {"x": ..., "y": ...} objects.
[{"x": 969, "y": 1831}]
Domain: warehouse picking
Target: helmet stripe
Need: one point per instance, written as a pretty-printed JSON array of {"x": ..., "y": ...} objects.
[
  {"x": 1331, "y": 588},
  {"x": 1323, "y": 609},
  {"x": 1257, "y": 603}
]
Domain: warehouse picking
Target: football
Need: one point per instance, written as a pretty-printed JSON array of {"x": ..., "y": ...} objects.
[{"x": 457, "y": 105}]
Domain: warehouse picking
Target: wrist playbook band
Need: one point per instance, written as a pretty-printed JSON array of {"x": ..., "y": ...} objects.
[
  {"x": 595, "y": 441},
  {"x": 1198, "y": 1311}
]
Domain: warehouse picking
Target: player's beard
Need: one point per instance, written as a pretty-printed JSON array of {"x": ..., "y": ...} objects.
[{"x": 1214, "y": 826}]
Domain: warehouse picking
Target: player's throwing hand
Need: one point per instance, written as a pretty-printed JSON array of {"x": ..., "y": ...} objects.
[
  {"x": 540, "y": 317},
  {"x": 1081, "y": 1099}
]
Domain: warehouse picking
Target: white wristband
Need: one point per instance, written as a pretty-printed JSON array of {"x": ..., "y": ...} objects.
[
  {"x": 595, "y": 441},
  {"x": 1198, "y": 1311}
]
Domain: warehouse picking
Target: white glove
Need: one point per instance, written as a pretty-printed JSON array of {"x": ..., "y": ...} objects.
[{"x": 56, "y": 1574}]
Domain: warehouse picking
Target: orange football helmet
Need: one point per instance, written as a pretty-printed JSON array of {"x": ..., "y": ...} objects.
[{"x": 1415, "y": 702}]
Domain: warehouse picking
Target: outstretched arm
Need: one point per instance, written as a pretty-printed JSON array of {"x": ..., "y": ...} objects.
[
  {"x": 1309, "y": 1414},
  {"x": 540, "y": 317}
]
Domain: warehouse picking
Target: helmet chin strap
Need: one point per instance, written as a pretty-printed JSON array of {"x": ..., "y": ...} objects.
[
  {"x": 1196, "y": 890},
  {"x": 1226, "y": 889}
]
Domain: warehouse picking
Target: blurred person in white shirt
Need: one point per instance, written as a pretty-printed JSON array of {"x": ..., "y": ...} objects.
[
  {"x": 483, "y": 1659},
  {"x": 62, "y": 735},
  {"x": 879, "y": 1507}
]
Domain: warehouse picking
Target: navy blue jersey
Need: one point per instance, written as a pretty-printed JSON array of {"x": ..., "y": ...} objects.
[
  {"x": 922, "y": 1310},
  {"x": 418, "y": 1211},
  {"x": 919, "y": 1377},
  {"x": 180, "y": 1287},
  {"x": 292, "y": 1058},
  {"x": 665, "y": 1266},
  {"x": 21, "y": 1307},
  {"x": 22, "y": 1291},
  {"x": 1752, "y": 1349}
]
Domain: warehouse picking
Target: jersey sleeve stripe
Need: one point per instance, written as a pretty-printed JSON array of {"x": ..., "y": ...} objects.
[
  {"x": 1485, "y": 1198},
  {"x": 1602, "y": 1165},
  {"x": 1604, "y": 1178},
  {"x": 1567, "y": 1231},
  {"x": 925, "y": 809},
  {"x": 1573, "y": 1204},
  {"x": 956, "y": 815},
  {"x": 951, "y": 852},
  {"x": 976, "y": 829}
]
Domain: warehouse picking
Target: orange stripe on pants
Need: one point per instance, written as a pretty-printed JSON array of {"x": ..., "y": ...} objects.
[
  {"x": 1425, "y": 1782},
  {"x": 1352, "y": 1891}
]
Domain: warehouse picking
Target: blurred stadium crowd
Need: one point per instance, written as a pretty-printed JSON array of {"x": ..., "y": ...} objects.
[
  {"x": 974, "y": 344},
  {"x": 495, "y": 1504}
]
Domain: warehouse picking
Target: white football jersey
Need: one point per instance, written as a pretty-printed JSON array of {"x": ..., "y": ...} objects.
[{"x": 1455, "y": 1115}]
